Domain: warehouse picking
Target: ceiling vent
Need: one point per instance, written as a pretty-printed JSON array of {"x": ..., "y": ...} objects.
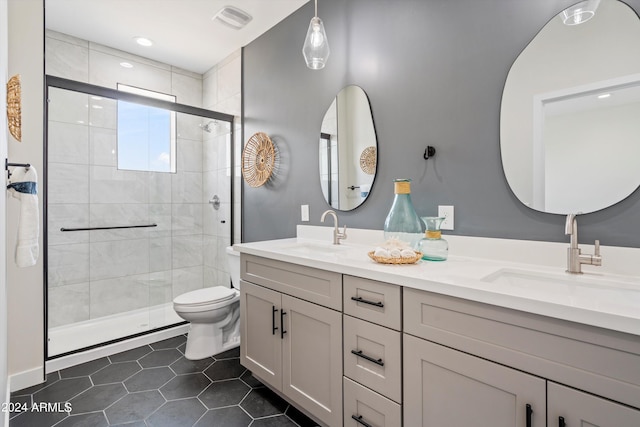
[{"x": 232, "y": 17}]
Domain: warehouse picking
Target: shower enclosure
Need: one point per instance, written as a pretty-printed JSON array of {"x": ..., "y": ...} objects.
[{"x": 138, "y": 210}]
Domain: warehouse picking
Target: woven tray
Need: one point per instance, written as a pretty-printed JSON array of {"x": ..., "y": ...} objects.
[{"x": 383, "y": 260}]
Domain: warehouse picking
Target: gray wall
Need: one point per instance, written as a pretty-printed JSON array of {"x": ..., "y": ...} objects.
[{"x": 434, "y": 72}]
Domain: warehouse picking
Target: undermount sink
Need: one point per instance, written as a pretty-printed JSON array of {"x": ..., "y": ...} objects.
[
  {"x": 579, "y": 290},
  {"x": 309, "y": 248}
]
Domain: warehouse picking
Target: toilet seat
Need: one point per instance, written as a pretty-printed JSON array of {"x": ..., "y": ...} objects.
[
  {"x": 205, "y": 299},
  {"x": 205, "y": 296}
]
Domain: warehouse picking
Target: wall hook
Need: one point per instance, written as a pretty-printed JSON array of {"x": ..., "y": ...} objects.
[{"x": 429, "y": 152}]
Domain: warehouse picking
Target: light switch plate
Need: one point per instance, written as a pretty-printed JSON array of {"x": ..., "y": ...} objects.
[
  {"x": 304, "y": 213},
  {"x": 447, "y": 213}
]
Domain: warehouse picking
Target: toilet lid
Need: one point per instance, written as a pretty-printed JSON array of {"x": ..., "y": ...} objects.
[{"x": 205, "y": 296}]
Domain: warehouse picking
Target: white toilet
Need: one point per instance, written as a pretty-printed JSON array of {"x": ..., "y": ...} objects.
[{"x": 214, "y": 314}]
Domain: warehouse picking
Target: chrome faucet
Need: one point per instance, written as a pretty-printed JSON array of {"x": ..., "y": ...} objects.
[
  {"x": 337, "y": 235},
  {"x": 574, "y": 258}
]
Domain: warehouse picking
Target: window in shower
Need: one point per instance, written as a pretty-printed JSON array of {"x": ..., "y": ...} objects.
[{"x": 146, "y": 137}]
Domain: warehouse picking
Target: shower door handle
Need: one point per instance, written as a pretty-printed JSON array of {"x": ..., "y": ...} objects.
[{"x": 274, "y": 328}]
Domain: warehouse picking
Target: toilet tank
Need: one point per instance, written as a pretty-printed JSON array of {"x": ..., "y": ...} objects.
[{"x": 233, "y": 262}]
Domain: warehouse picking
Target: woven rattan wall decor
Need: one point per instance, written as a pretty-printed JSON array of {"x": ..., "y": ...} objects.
[
  {"x": 258, "y": 159},
  {"x": 368, "y": 159},
  {"x": 14, "y": 108}
]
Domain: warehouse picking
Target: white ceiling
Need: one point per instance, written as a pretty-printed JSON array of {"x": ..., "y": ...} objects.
[{"x": 183, "y": 32}]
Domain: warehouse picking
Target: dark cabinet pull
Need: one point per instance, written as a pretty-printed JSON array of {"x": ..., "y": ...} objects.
[
  {"x": 529, "y": 412},
  {"x": 369, "y": 358},
  {"x": 561, "y": 422},
  {"x": 364, "y": 301},
  {"x": 282, "y": 331},
  {"x": 359, "y": 420},
  {"x": 274, "y": 328}
]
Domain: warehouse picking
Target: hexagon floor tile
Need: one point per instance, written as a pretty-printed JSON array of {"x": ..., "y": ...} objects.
[{"x": 154, "y": 385}]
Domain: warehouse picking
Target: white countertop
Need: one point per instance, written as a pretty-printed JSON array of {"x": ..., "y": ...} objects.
[{"x": 605, "y": 300}]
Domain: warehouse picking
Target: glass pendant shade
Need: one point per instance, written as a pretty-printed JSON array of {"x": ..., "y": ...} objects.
[
  {"x": 579, "y": 13},
  {"x": 316, "y": 46}
]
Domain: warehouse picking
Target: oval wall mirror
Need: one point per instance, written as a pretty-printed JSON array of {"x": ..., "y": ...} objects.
[
  {"x": 569, "y": 118},
  {"x": 347, "y": 150}
]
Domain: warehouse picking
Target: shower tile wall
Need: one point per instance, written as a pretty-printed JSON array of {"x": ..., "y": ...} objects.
[
  {"x": 221, "y": 92},
  {"x": 106, "y": 272}
]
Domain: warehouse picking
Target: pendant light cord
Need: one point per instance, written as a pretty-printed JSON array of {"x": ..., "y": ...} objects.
[{"x": 316, "y": 15}]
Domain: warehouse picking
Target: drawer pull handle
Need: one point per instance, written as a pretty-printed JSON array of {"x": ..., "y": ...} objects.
[
  {"x": 369, "y": 358},
  {"x": 282, "y": 331},
  {"x": 529, "y": 413},
  {"x": 274, "y": 328},
  {"x": 359, "y": 420},
  {"x": 561, "y": 422},
  {"x": 364, "y": 301}
]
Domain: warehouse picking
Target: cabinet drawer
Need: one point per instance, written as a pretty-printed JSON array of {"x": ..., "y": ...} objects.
[
  {"x": 378, "y": 362},
  {"x": 374, "y": 410},
  {"x": 596, "y": 360},
  {"x": 310, "y": 284},
  {"x": 376, "y": 302}
]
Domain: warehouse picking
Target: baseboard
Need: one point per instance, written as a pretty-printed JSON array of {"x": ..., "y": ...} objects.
[
  {"x": 118, "y": 347},
  {"x": 25, "y": 379}
]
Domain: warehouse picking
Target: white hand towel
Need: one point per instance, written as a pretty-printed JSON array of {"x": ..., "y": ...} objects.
[{"x": 24, "y": 187}]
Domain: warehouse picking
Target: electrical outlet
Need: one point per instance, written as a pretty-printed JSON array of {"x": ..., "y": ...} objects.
[
  {"x": 304, "y": 213},
  {"x": 447, "y": 213}
]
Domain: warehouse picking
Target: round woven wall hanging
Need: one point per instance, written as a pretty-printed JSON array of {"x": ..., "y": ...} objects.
[
  {"x": 368, "y": 160},
  {"x": 14, "y": 108},
  {"x": 258, "y": 159}
]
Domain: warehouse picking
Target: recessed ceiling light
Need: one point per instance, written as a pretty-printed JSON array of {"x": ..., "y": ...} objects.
[
  {"x": 126, "y": 65},
  {"x": 604, "y": 95},
  {"x": 143, "y": 41}
]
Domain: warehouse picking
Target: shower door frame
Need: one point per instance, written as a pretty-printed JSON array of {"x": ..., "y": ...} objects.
[{"x": 90, "y": 89}]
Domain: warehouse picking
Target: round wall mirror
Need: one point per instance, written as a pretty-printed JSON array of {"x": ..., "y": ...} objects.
[
  {"x": 348, "y": 150},
  {"x": 569, "y": 118}
]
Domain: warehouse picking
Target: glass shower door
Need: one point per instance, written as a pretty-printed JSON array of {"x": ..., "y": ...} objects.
[{"x": 122, "y": 243}]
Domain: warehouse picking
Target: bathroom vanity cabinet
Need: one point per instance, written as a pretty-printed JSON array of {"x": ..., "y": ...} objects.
[
  {"x": 467, "y": 363},
  {"x": 353, "y": 351},
  {"x": 291, "y": 333}
]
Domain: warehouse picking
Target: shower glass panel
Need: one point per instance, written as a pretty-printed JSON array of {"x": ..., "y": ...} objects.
[{"x": 106, "y": 283}]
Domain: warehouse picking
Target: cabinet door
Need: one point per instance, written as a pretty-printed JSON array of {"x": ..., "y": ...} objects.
[
  {"x": 260, "y": 342},
  {"x": 445, "y": 387},
  {"x": 580, "y": 409},
  {"x": 312, "y": 359}
]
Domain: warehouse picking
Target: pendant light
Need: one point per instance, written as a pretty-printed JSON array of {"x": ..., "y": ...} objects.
[
  {"x": 579, "y": 13},
  {"x": 316, "y": 46}
]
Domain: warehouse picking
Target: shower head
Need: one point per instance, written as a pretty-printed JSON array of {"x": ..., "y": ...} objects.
[{"x": 208, "y": 127}]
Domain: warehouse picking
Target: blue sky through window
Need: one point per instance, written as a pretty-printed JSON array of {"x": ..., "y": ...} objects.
[{"x": 146, "y": 135}]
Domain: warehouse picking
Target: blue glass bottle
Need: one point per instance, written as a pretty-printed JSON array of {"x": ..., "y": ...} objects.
[
  {"x": 403, "y": 222},
  {"x": 433, "y": 246}
]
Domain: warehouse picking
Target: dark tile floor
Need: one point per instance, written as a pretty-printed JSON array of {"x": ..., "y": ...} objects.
[{"x": 154, "y": 385}]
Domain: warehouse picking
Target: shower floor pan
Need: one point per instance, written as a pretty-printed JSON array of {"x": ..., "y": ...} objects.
[{"x": 75, "y": 336}]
